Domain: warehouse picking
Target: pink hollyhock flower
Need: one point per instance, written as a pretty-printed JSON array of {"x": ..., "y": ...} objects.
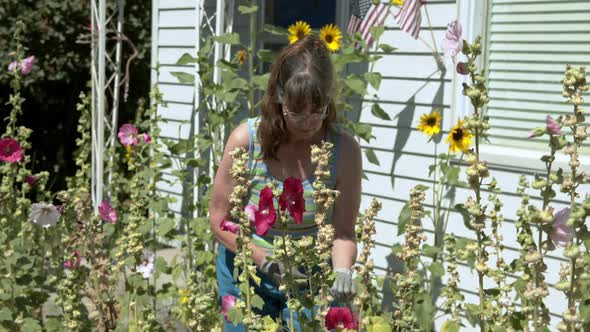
[
  {"x": 10, "y": 150},
  {"x": 266, "y": 215},
  {"x": 562, "y": 233},
  {"x": 462, "y": 68},
  {"x": 342, "y": 318},
  {"x": 553, "y": 127},
  {"x": 45, "y": 215},
  {"x": 250, "y": 210},
  {"x": 146, "y": 138},
  {"x": 107, "y": 213},
  {"x": 74, "y": 262},
  {"x": 31, "y": 180},
  {"x": 12, "y": 66},
  {"x": 26, "y": 65},
  {"x": 227, "y": 302},
  {"x": 229, "y": 226},
  {"x": 128, "y": 134},
  {"x": 292, "y": 198},
  {"x": 453, "y": 42}
]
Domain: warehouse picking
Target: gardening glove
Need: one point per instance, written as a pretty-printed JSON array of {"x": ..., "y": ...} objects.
[
  {"x": 344, "y": 287},
  {"x": 277, "y": 272}
]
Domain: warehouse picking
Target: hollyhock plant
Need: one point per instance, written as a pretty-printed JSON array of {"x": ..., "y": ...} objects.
[
  {"x": 250, "y": 210},
  {"x": 107, "y": 213},
  {"x": 553, "y": 127},
  {"x": 12, "y": 66},
  {"x": 10, "y": 150},
  {"x": 31, "y": 180},
  {"x": 292, "y": 198},
  {"x": 45, "y": 215},
  {"x": 453, "y": 42},
  {"x": 562, "y": 233},
  {"x": 265, "y": 216},
  {"x": 341, "y": 318},
  {"x": 127, "y": 135},
  {"x": 227, "y": 302},
  {"x": 74, "y": 261},
  {"x": 26, "y": 65},
  {"x": 146, "y": 138},
  {"x": 229, "y": 226},
  {"x": 462, "y": 68}
]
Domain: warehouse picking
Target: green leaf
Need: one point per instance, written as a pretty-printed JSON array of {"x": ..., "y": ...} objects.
[
  {"x": 450, "y": 326},
  {"x": 356, "y": 84},
  {"x": 371, "y": 157},
  {"x": 275, "y": 30},
  {"x": 31, "y": 325},
  {"x": 267, "y": 56},
  {"x": 234, "y": 315},
  {"x": 261, "y": 81},
  {"x": 183, "y": 77},
  {"x": 377, "y": 111},
  {"x": 387, "y": 48},
  {"x": 232, "y": 38},
  {"x": 492, "y": 291},
  {"x": 403, "y": 219},
  {"x": 186, "y": 59},
  {"x": 377, "y": 31},
  {"x": 472, "y": 312},
  {"x": 248, "y": 9},
  {"x": 437, "y": 269},
  {"x": 465, "y": 214},
  {"x": 430, "y": 251},
  {"x": 257, "y": 302},
  {"x": 165, "y": 225},
  {"x": 269, "y": 325},
  {"x": 374, "y": 79},
  {"x": 5, "y": 315},
  {"x": 363, "y": 131}
]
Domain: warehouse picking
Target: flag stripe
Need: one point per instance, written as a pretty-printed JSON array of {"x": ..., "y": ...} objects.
[{"x": 409, "y": 18}]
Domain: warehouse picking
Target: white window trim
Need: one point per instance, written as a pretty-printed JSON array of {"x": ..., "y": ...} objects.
[{"x": 473, "y": 17}]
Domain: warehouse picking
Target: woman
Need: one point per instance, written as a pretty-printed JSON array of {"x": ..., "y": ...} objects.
[{"x": 298, "y": 111}]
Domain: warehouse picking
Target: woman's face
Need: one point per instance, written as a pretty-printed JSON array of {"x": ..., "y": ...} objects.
[{"x": 303, "y": 124}]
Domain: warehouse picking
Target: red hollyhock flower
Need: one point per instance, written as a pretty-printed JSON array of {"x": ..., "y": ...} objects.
[
  {"x": 266, "y": 215},
  {"x": 10, "y": 150},
  {"x": 292, "y": 198},
  {"x": 341, "y": 317}
]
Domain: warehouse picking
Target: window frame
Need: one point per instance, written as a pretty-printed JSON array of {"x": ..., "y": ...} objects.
[{"x": 473, "y": 16}]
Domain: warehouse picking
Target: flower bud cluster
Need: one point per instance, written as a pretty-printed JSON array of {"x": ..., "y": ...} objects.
[
  {"x": 69, "y": 297},
  {"x": 451, "y": 292}
]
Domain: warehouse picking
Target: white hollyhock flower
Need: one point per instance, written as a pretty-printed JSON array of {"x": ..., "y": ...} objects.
[
  {"x": 45, "y": 215},
  {"x": 147, "y": 266}
]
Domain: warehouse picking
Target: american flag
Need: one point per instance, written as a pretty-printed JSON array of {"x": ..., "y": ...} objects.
[
  {"x": 363, "y": 16},
  {"x": 409, "y": 17}
]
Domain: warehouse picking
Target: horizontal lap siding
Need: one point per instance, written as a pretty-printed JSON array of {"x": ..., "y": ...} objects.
[{"x": 411, "y": 86}]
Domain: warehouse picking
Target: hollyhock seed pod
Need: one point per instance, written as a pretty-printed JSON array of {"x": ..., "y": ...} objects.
[{"x": 572, "y": 251}]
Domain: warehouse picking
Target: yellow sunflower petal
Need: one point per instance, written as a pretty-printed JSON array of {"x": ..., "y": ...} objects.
[
  {"x": 331, "y": 35},
  {"x": 459, "y": 138},
  {"x": 430, "y": 123},
  {"x": 298, "y": 30},
  {"x": 397, "y": 2}
]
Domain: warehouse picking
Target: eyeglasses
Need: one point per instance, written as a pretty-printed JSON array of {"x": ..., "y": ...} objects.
[{"x": 302, "y": 118}]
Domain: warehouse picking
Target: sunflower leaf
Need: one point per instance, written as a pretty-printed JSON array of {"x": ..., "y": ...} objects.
[
  {"x": 374, "y": 79},
  {"x": 186, "y": 59},
  {"x": 371, "y": 157},
  {"x": 248, "y": 9},
  {"x": 228, "y": 38},
  {"x": 387, "y": 48},
  {"x": 182, "y": 77},
  {"x": 377, "y": 111},
  {"x": 377, "y": 31},
  {"x": 275, "y": 30}
]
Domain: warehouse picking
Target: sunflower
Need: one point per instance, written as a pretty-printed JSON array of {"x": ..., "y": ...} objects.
[
  {"x": 430, "y": 123},
  {"x": 331, "y": 35},
  {"x": 241, "y": 56},
  {"x": 397, "y": 2},
  {"x": 459, "y": 138},
  {"x": 298, "y": 30}
]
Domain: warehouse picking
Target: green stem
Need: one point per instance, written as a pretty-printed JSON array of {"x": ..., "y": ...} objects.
[
  {"x": 570, "y": 295},
  {"x": 287, "y": 263}
]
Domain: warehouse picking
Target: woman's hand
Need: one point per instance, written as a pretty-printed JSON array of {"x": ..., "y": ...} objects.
[
  {"x": 277, "y": 271},
  {"x": 344, "y": 287}
]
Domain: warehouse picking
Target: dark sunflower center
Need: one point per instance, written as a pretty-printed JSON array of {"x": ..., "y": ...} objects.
[
  {"x": 329, "y": 38},
  {"x": 300, "y": 34},
  {"x": 431, "y": 121},
  {"x": 457, "y": 135}
]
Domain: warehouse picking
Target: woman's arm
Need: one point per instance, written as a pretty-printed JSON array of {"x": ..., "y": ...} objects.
[
  {"x": 223, "y": 185},
  {"x": 348, "y": 182}
]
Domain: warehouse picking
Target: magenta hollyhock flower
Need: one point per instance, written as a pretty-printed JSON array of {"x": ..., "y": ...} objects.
[
  {"x": 229, "y": 226},
  {"x": 462, "y": 68},
  {"x": 146, "y": 138},
  {"x": 26, "y": 65},
  {"x": 128, "y": 134},
  {"x": 31, "y": 180},
  {"x": 250, "y": 210},
  {"x": 553, "y": 127},
  {"x": 453, "y": 42},
  {"x": 74, "y": 261},
  {"x": 292, "y": 198},
  {"x": 227, "y": 302},
  {"x": 342, "y": 318},
  {"x": 13, "y": 66},
  {"x": 10, "y": 150},
  {"x": 266, "y": 215},
  {"x": 107, "y": 213},
  {"x": 562, "y": 233}
]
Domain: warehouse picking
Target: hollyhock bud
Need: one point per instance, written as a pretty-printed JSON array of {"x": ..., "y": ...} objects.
[
  {"x": 27, "y": 65},
  {"x": 537, "y": 132},
  {"x": 462, "y": 68},
  {"x": 562, "y": 233}
]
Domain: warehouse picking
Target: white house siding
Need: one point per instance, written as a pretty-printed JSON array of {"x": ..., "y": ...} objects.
[{"x": 409, "y": 89}]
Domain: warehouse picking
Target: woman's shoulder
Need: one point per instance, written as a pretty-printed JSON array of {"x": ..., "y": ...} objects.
[
  {"x": 240, "y": 136},
  {"x": 349, "y": 151}
]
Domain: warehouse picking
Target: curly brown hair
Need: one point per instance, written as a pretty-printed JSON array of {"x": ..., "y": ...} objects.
[{"x": 302, "y": 75}]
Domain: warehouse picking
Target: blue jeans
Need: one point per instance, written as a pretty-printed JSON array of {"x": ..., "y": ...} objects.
[{"x": 275, "y": 302}]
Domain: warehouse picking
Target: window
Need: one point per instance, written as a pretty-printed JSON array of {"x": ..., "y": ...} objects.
[{"x": 527, "y": 45}]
